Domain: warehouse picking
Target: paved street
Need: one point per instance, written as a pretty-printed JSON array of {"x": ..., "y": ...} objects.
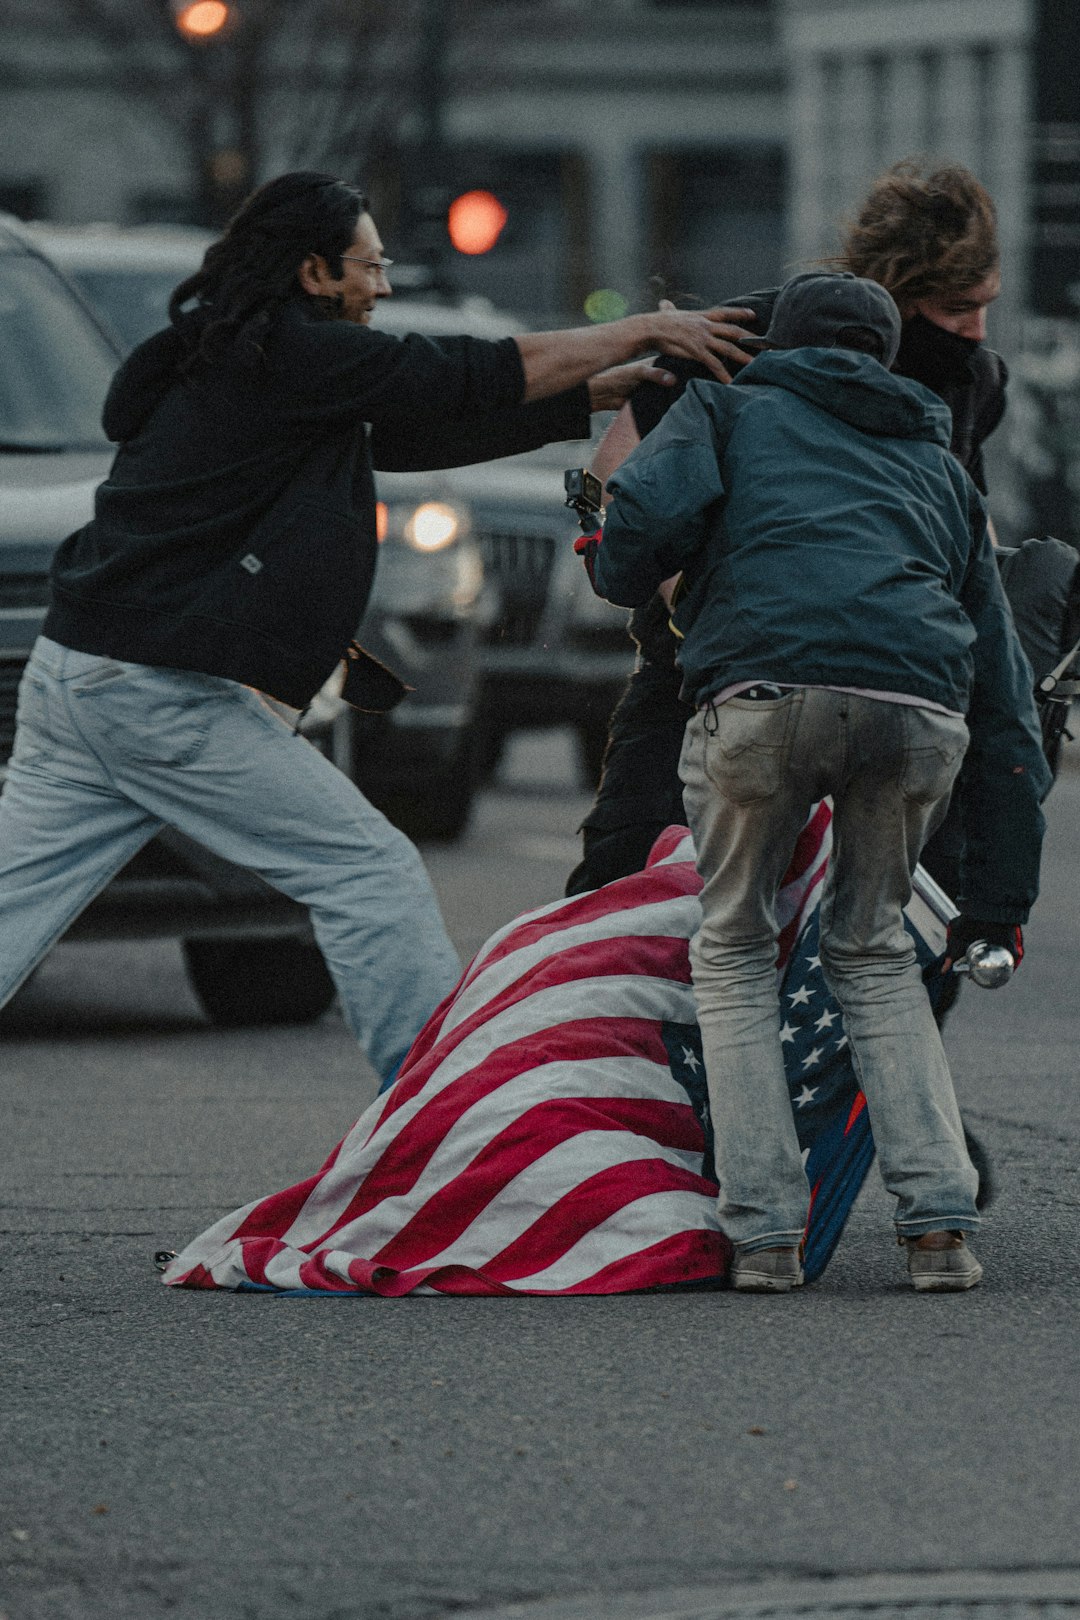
[{"x": 219, "y": 1457}]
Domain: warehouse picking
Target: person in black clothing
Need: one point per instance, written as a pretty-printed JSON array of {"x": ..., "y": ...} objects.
[
  {"x": 232, "y": 551},
  {"x": 929, "y": 237}
]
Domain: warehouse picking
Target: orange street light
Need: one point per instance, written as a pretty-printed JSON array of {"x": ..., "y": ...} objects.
[
  {"x": 475, "y": 221},
  {"x": 200, "y": 20}
]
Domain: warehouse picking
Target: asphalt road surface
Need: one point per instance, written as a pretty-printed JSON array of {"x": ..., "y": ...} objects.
[{"x": 221, "y": 1457}]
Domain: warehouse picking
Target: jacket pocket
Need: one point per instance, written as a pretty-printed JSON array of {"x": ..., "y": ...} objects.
[
  {"x": 302, "y": 580},
  {"x": 934, "y": 748},
  {"x": 746, "y": 751}
]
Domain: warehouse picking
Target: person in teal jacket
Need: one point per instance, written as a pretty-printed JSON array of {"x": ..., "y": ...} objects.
[{"x": 844, "y": 632}]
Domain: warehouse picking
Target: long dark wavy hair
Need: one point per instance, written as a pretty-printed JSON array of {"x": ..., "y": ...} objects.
[{"x": 249, "y": 273}]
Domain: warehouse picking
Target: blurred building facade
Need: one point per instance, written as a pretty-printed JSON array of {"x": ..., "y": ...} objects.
[
  {"x": 701, "y": 146},
  {"x": 872, "y": 81},
  {"x": 628, "y": 138},
  {"x": 696, "y": 148},
  {"x": 705, "y": 143}
]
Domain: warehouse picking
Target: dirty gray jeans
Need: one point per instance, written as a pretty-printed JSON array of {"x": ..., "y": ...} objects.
[{"x": 752, "y": 769}]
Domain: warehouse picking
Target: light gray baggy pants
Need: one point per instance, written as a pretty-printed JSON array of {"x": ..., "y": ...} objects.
[{"x": 106, "y": 753}]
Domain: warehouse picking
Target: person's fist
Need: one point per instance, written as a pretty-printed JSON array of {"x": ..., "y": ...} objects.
[
  {"x": 586, "y": 546},
  {"x": 964, "y": 931}
]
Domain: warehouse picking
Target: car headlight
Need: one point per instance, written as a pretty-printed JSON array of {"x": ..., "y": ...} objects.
[{"x": 433, "y": 526}]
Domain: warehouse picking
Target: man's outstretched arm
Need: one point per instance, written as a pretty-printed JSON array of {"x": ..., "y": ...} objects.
[{"x": 555, "y": 361}]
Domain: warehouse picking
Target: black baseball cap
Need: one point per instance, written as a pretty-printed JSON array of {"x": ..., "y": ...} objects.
[{"x": 820, "y": 308}]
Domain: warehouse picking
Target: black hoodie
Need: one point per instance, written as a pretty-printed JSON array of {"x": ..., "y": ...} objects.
[{"x": 235, "y": 534}]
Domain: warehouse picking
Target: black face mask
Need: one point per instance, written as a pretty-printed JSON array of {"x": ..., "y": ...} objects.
[{"x": 930, "y": 355}]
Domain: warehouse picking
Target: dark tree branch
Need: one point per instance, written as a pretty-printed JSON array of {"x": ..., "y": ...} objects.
[
  {"x": 122, "y": 37},
  {"x": 327, "y": 83}
]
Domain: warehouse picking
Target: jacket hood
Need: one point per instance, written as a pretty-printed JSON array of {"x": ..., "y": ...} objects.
[
  {"x": 145, "y": 376},
  {"x": 854, "y": 388}
]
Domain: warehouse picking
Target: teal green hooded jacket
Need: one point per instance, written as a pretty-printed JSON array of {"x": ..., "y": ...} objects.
[{"x": 828, "y": 537}]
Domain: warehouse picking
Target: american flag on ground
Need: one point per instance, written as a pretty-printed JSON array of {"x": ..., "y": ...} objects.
[{"x": 548, "y": 1132}]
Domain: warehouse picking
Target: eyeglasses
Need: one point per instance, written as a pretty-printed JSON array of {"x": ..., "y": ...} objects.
[{"x": 375, "y": 264}]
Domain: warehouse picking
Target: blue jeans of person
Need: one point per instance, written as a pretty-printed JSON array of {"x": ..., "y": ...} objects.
[
  {"x": 106, "y": 753},
  {"x": 752, "y": 770}
]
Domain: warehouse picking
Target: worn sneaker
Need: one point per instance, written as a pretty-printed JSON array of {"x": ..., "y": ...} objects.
[
  {"x": 766, "y": 1271},
  {"x": 941, "y": 1263}
]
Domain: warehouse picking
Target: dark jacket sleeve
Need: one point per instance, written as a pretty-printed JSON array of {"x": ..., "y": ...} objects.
[
  {"x": 429, "y": 439},
  {"x": 1005, "y": 775},
  {"x": 326, "y": 370},
  {"x": 656, "y": 521},
  {"x": 987, "y": 409}
]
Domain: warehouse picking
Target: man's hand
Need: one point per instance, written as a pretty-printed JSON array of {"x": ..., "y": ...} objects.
[
  {"x": 964, "y": 931},
  {"x": 708, "y": 336},
  {"x": 609, "y": 390}
]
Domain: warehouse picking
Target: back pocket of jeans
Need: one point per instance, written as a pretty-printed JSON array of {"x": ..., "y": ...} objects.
[
  {"x": 744, "y": 756},
  {"x": 934, "y": 749},
  {"x": 145, "y": 715}
]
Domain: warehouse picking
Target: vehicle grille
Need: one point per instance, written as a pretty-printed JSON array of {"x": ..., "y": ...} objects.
[
  {"x": 10, "y": 675},
  {"x": 520, "y": 567}
]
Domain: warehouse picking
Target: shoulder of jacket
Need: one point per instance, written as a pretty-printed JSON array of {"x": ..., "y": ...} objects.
[
  {"x": 721, "y": 402},
  {"x": 720, "y": 398},
  {"x": 344, "y": 342}
]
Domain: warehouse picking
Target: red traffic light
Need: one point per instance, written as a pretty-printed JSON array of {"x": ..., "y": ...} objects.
[
  {"x": 201, "y": 19},
  {"x": 475, "y": 221}
]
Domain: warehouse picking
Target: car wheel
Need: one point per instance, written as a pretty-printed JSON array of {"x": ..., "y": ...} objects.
[
  {"x": 439, "y": 812},
  {"x": 258, "y": 981}
]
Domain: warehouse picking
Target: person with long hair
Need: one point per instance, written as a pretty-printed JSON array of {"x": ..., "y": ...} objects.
[{"x": 231, "y": 553}]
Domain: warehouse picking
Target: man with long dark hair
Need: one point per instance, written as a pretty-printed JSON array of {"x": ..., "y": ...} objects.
[{"x": 232, "y": 551}]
